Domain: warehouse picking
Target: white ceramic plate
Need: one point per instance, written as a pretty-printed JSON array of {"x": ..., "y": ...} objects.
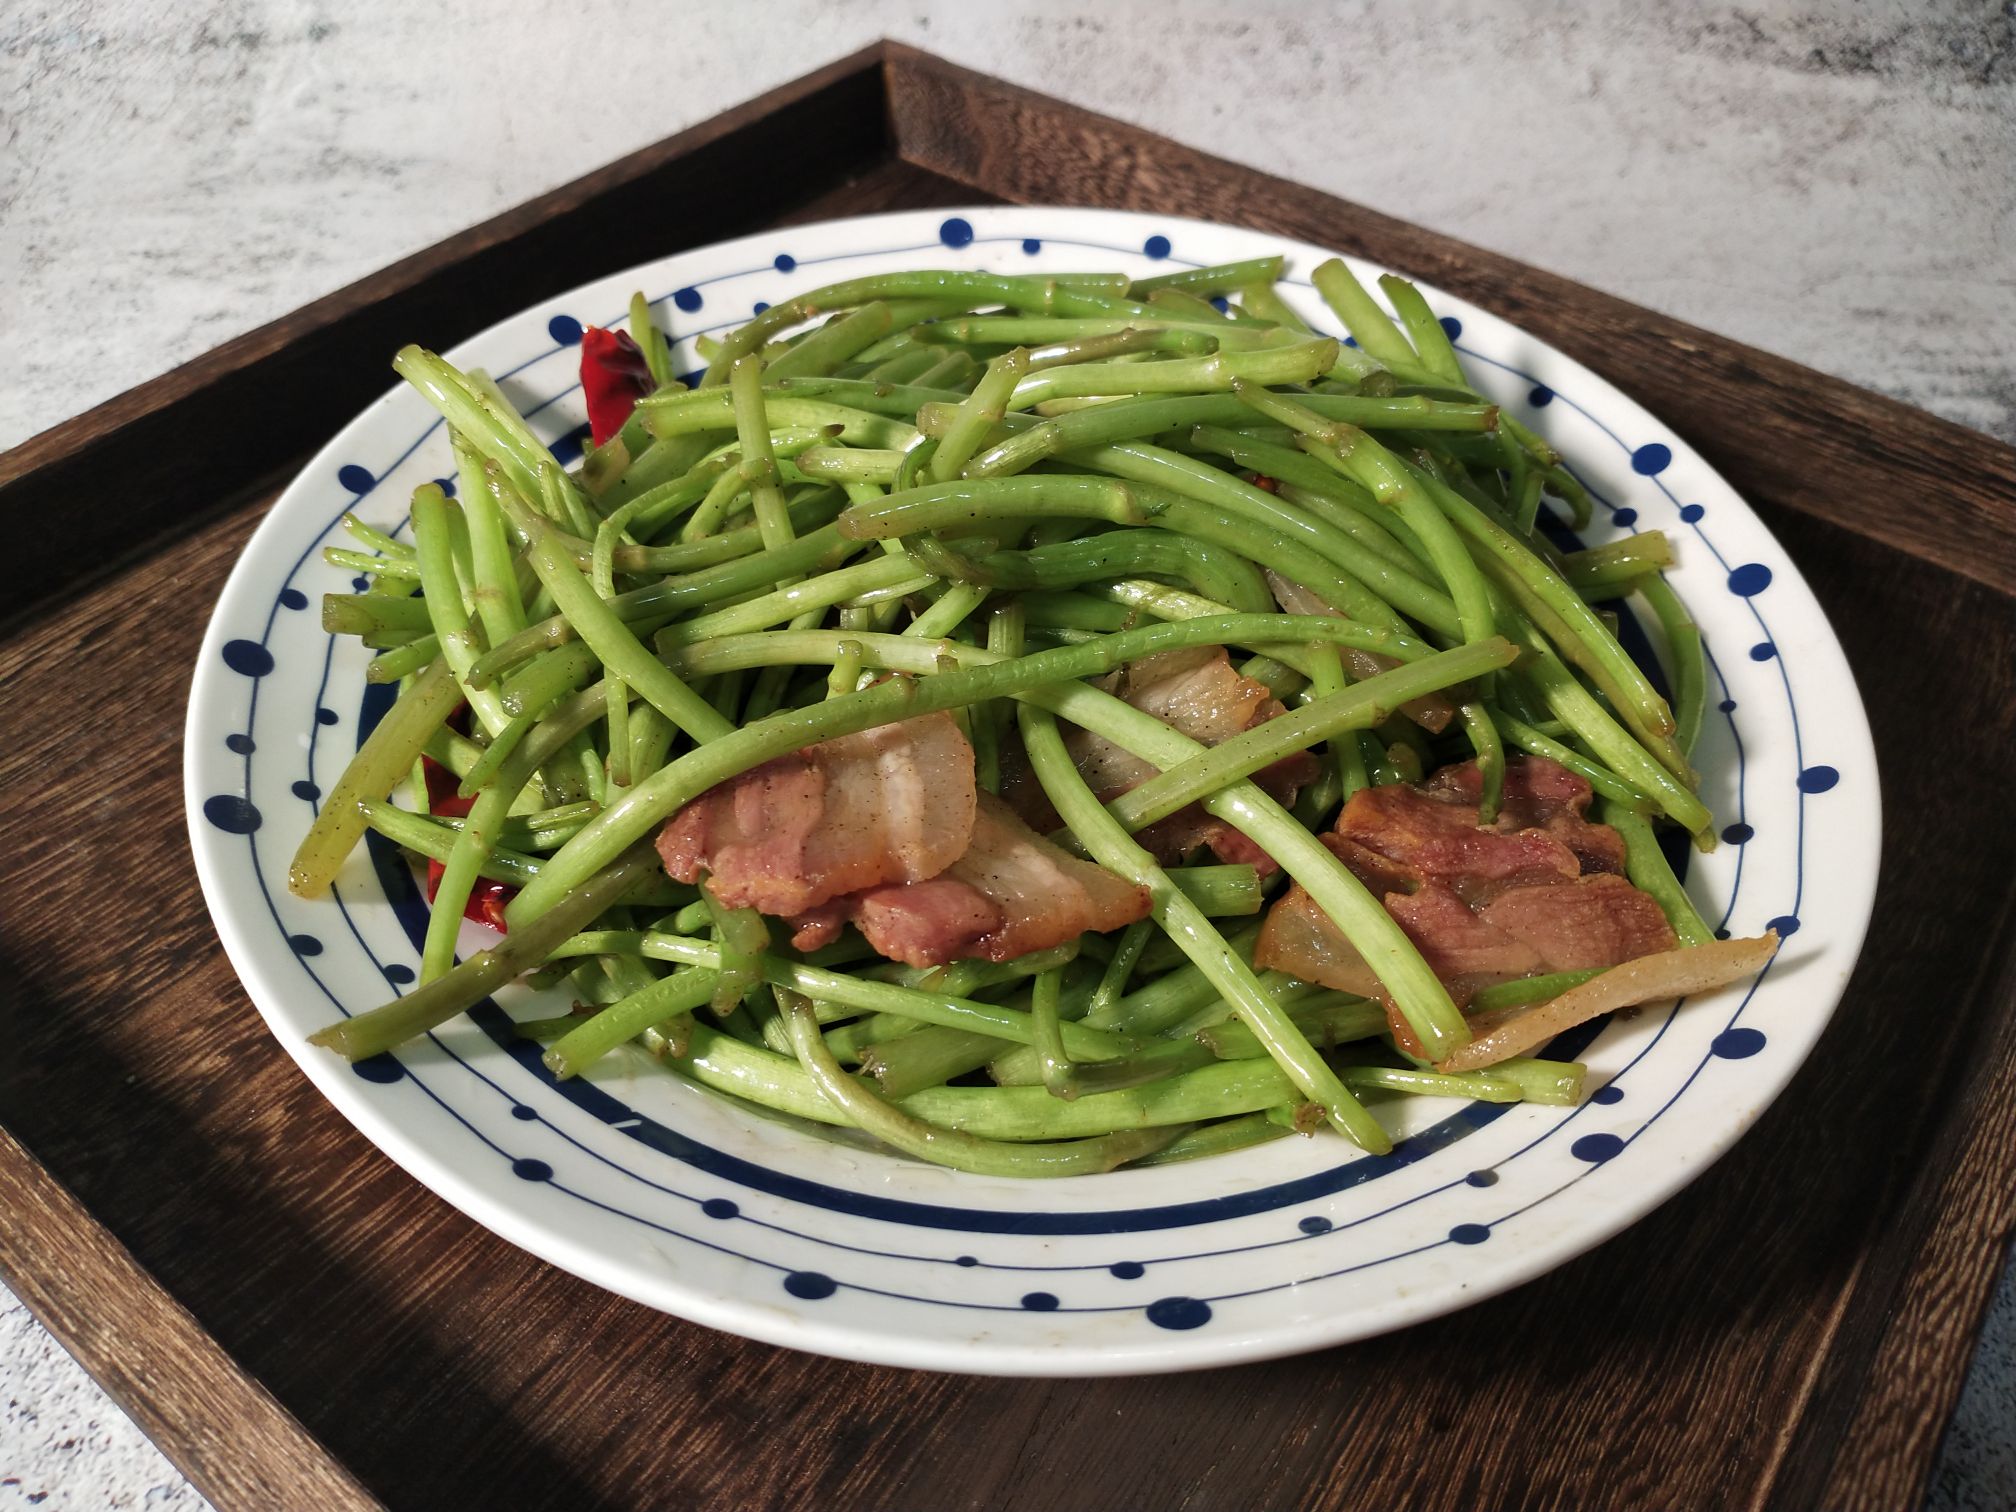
[{"x": 643, "y": 1184}]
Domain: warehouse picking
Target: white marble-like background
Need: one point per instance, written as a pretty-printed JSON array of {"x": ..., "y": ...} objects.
[{"x": 1835, "y": 182}]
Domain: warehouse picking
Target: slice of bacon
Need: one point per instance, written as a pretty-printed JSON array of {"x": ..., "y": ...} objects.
[
  {"x": 1597, "y": 920},
  {"x": 1539, "y": 794},
  {"x": 1431, "y": 839},
  {"x": 1196, "y": 691},
  {"x": 1010, "y": 893},
  {"x": 1456, "y": 941},
  {"x": 1537, "y": 890},
  {"x": 891, "y": 804},
  {"x": 1199, "y": 693}
]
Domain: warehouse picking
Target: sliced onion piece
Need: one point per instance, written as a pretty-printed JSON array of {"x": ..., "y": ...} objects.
[
  {"x": 1431, "y": 711},
  {"x": 1669, "y": 974}
]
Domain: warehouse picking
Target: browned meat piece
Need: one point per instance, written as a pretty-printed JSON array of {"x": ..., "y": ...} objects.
[
  {"x": 1010, "y": 893},
  {"x": 1596, "y": 920},
  {"x": 891, "y": 804},
  {"x": 1201, "y": 694},
  {"x": 1538, "y": 890}
]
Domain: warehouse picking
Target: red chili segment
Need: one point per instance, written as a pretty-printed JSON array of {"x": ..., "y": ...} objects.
[
  {"x": 486, "y": 898},
  {"x": 614, "y": 376}
]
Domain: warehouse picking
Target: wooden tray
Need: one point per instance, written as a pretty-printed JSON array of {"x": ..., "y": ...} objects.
[{"x": 299, "y": 1324}]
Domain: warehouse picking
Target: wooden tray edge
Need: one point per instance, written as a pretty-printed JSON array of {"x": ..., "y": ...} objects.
[{"x": 220, "y": 1427}]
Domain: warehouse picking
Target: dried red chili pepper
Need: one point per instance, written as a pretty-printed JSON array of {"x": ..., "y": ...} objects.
[
  {"x": 614, "y": 376},
  {"x": 1264, "y": 483},
  {"x": 487, "y": 898}
]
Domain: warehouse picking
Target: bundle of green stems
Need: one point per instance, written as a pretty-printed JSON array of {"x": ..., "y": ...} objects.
[{"x": 935, "y": 490}]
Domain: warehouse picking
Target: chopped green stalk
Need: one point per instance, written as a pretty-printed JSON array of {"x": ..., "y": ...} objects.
[
  {"x": 752, "y": 429},
  {"x": 1533, "y": 989},
  {"x": 400, "y": 568},
  {"x": 845, "y": 993},
  {"x": 388, "y": 752},
  {"x": 881, "y": 575},
  {"x": 1645, "y": 864},
  {"x": 430, "y": 1006},
  {"x": 1112, "y": 848},
  {"x": 452, "y": 628},
  {"x": 1624, "y": 560},
  {"x": 1220, "y": 1138},
  {"x": 898, "y": 401},
  {"x": 1221, "y": 892},
  {"x": 950, "y": 612},
  {"x": 1553, "y": 1083},
  {"x": 613, "y": 643},
  {"x": 1031, "y": 440},
  {"x": 668, "y": 998},
  {"x": 1360, "y": 706},
  {"x": 1426, "y": 332},
  {"x": 1606, "y": 782},
  {"x": 832, "y": 344},
  {"x": 1262, "y": 302},
  {"x": 846, "y": 464},
  {"x": 1357, "y": 456},
  {"x": 966, "y": 503},
  {"x": 1690, "y": 666},
  {"x": 1126, "y": 955},
  {"x": 951, "y": 1147},
  {"x": 1474, "y": 1085},
  {"x": 1609, "y": 741},
  {"x": 373, "y": 614},
  {"x": 1058, "y": 1074},
  {"x": 1219, "y": 278},
  {"x": 1119, "y": 344},
  {"x": 1331, "y": 1020},
  {"x": 650, "y": 340},
  {"x": 372, "y": 539},
  {"x": 954, "y": 369},
  {"x": 1545, "y": 597},
  {"x": 616, "y": 701},
  {"x": 498, "y": 596},
  {"x": 1289, "y": 364},
  {"x": 931, "y": 1057},
  {"x": 980, "y": 413},
  {"x": 1183, "y": 305},
  {"x": 436, "y": 841},
  {"x": 901, "y": 367},
  {"x": 472, "y": 405},
  {"x": 698, "y": 412},
  {"x": 1490, "y": 749},
  {"x": 1374, "y": 330},
  {"x": 846, "y": 673}
]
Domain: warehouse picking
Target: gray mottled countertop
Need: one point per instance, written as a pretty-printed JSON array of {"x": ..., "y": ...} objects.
[{"x": 1833, "y": 182}]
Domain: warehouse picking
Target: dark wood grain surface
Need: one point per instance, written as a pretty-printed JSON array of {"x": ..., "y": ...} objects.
[{"x": 1790, "y": 1331}]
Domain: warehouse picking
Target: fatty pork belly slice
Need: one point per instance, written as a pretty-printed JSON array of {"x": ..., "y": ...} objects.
[
  {"x": 1535, "y": 891},
  {"x": 1010, "y": 893},
  {"x": 891, "y": 804},
  {"x": 1198, "y": 692}
]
